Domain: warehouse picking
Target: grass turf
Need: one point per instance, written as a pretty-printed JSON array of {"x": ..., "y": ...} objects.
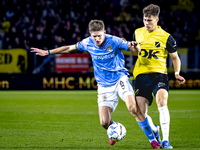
[{"x": 53, "y": 120}]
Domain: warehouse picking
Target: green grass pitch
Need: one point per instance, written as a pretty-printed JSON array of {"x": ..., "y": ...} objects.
[{"x": 55, "y": 120}]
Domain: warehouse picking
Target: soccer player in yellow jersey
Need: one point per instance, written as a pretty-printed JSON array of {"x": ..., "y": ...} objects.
[{"x": 150, "y": 70}]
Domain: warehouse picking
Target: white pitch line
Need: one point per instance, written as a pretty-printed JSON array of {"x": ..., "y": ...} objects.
[{"x": 181, "y": 111}]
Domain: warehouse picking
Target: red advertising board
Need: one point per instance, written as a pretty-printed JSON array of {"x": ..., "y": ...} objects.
[{"x": 72, "y": 62}]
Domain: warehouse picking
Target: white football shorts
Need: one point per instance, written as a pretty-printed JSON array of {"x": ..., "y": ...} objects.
[{"x": 109, "y": 95}]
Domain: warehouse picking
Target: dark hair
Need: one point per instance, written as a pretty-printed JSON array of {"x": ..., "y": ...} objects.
[
  {"x": 96, "y": 25},
  {"x": 151, "y": 9}
]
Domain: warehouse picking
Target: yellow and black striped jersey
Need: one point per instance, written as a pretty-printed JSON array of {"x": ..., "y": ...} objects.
[{"x": 155, "y": 47}]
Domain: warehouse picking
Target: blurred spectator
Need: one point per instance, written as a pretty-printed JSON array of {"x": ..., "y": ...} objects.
[
  {"x": 7, "y": 43},
  {"x": 39, "y": 40},
  {"x": 26, "y": 45},
  {"x": 13, "y": 33},
  {"x": 58, "y": 41},
  {"x": 185, "y": 40},
  {"x": 25, "y": 21},
  {"x": 48, "y": 11},
  {"x": 178, "y": 36},
  {"x": 5, "y": 25},
  {"x": 18, "y": 43},
  {"x": 10, "y": 13},
  {"x": 24, "y": 32},
  {"x": 4, "y": 8},
  {"x": 183, "y": 4},
  {"x": 31, "y": 39},
  {"x": 29, "y": 12}
]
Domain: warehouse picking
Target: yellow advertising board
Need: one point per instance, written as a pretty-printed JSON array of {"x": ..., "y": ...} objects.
[{"x": 13, "y": 60}]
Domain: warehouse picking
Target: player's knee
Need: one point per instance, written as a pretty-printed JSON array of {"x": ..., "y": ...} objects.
[
  {"x": 133, "y": 110},
  {"x": 161, "y": 102},
  {"x": 161, "y": 98}
]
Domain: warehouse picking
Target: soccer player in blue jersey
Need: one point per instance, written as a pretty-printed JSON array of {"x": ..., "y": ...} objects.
[
  {"x": 110, "y": 73},
  {"x": 150, "y": 70}
]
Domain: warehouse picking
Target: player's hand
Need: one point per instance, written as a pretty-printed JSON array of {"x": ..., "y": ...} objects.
[
  {"x": 180, "y": 79},
  {"x": 39, "y": 52},
  {"x": 133, "y": 44}
]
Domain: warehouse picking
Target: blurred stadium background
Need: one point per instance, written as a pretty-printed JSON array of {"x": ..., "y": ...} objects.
[
  {"x": 48, "y": 24},
  {"x": 68, "y": 119}
]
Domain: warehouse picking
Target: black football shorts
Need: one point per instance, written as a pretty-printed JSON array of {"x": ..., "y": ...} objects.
[{"x": 146, "y": 84}]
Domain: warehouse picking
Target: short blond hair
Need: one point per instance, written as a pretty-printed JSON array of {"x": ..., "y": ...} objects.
[{"x": 96, "y": 25}]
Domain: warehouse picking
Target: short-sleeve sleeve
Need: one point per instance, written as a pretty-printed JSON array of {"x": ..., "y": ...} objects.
[
  {"x": 82, "y": 45},
  {"x": 123, "y": 45},
  {"x": 171, "y": 44}
]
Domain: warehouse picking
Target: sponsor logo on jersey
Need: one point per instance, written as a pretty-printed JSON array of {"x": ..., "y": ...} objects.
[
  {"x": 157, "y": 44},
  {"x": 149, "y": 54},
  {"x": 109, "y": 48},
  {"x": 109, "y": 56}
]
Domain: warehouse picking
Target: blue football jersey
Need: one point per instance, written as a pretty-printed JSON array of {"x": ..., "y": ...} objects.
[{"x": 108, "y": 60}]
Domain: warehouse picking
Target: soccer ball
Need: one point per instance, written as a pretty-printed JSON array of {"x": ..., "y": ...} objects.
[{"x": 116, "y": 132}]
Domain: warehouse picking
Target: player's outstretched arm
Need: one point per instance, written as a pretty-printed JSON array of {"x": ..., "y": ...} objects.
[
  {"x": 177, "y": 65},
  {"x": 59, "y": 50}
]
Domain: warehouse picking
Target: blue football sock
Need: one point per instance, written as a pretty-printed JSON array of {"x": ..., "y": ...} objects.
[{"x": 147, "y": 129}]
